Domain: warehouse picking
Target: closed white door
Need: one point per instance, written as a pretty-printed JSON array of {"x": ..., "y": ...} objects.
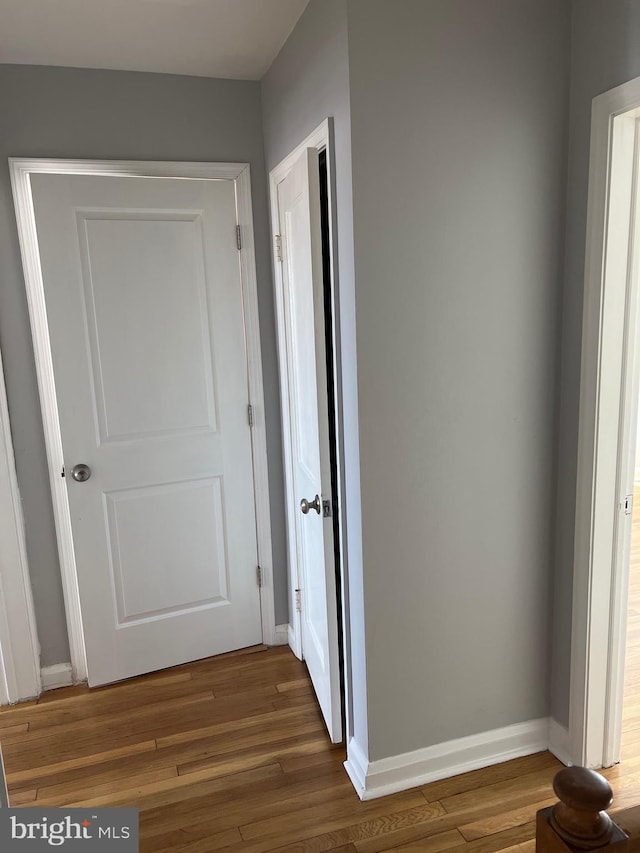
[
  {"x": 145, "y": 314},
  {"x": 302, "y": 281}
]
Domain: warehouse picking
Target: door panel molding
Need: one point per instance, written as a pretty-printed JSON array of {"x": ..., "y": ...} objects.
[{"x": 21, "y": 170}]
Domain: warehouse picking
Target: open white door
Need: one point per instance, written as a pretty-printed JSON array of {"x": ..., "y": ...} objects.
[
  {"x": 298, "y": 206},
  {"x": 145, "y": 316}
]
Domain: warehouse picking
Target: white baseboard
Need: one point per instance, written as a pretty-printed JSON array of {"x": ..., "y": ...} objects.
[
  {"x": 373, "y": 779},
  {"x": 559, "y": 742},
  {"x": 356, "y": 767},
  {"x": 281, "y": 635},
  {"x": 60, "y": 675}
]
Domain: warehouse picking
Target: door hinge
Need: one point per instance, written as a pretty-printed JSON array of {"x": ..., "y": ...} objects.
[
  {"x": 298, "y": 600},
  {"x": 250, "y": 414},
  {"x": 259, "y": 575},
  {"x": 238, "y": 237},
  {"x": 279, "y": 248},
  {"x": 628, "y": 505}
]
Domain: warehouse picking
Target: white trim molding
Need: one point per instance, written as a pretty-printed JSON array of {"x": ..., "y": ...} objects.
[
  {"x": 607, "y": 411},
  {"x": 19, "y": 647},
  {"x": 58, "y": 675},
  {"x": 559, "y": 741},
  {"x": 25, "y": 216},
  {"x": 242, "y": 179},
  {"x": 356, "y": 766},
  {"x": 21, "y": 171},
  {"x": 281, "y": 635},
  {"x": 373, "y": 779}
]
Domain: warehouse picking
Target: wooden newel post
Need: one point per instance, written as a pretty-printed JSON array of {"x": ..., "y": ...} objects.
[
  {"x": 579, "y": 821},
  {"x": 580, "y": 818}
]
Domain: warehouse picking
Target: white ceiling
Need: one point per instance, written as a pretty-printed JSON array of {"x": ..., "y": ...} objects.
[{"x": 208, "y": 38}]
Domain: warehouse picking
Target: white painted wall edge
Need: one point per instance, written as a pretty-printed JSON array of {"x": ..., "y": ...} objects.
[
  {"x": 373, "y": 779},
  {"x": 559, "y": 743},
  {"x": 594, "y": 690},
  {"x": 58, "y": 675},
  {"x": 19, "y": 646}
]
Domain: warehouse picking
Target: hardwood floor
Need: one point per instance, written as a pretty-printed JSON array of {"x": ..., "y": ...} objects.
[{"x": 231, "y": 754}]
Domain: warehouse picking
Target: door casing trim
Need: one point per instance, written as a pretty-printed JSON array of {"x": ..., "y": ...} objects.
[
  {"x": 19, "y": 648},
  {"x": 600, "y": 563},
  {"x": 21, "y": 170}
]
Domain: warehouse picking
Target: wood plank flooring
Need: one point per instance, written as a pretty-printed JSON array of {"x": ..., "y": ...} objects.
[{"x": 231, "y": 754}]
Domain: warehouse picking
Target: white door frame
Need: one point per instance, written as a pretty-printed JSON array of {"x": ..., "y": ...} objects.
[
  {"x": 321, "y": 139},
  {"x": 21, "y": 171},
  {"x": 608, "y": 392}
]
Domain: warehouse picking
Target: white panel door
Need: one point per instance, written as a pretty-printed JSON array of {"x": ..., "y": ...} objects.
[
  {"x": 301, "y": 241},
  {"x": 144, "y": 305}
]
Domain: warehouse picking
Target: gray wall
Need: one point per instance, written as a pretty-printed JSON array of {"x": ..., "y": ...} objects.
[
  {"x": 458, "y": 122},
  {"x": 308, "y": 82},
  {"x": 605, "y": 53},
  {"x": 67, "y": 113}
]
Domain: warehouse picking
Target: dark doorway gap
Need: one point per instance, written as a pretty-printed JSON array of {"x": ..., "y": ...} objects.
[{"x": 331, "y": 396}]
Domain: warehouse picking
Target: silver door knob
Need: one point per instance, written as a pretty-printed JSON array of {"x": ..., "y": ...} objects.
[
  {"x": 81, "y": 472},
  {"x": 306, "y": 505}
]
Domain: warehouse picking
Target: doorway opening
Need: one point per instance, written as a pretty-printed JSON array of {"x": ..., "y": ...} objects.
[
  {"x": 331, "y": 398},
  {"x": 303, "y": 227}
]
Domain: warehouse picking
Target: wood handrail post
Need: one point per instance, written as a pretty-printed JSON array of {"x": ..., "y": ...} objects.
[
  {"x": 580, "y": 818},
  {"x": 579, "y": 821}
]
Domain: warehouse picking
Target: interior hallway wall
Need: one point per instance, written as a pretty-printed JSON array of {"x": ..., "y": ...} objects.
[
  {"x": 77, "y": 113},
  {"x": 458, "y": 123}
]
